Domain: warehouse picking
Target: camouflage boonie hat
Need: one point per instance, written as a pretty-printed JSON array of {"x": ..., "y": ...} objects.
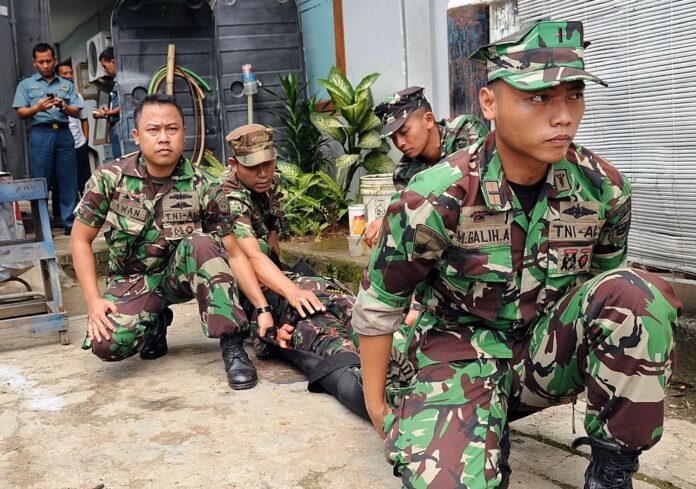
[
  {"x": 543, "y": 55},
  {"x": 396, "y": 108},
  {"x": 252, "y": 144}
]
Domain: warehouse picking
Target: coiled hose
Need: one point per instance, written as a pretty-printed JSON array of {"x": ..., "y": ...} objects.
[{"x": 197, "y": 88}]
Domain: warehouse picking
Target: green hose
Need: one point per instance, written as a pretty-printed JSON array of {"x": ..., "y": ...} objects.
[{"x": 196, "y": 86}]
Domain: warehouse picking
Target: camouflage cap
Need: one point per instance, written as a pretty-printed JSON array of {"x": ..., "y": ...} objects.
[
  {"x": 396, "y": 108},
  {"x": 543, "y": 55},
  {"x": 252, "y": 144}
]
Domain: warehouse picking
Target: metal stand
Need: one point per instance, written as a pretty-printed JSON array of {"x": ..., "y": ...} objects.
[{"x": 40, "y": 312}]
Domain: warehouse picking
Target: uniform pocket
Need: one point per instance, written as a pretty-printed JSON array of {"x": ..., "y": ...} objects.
[
  {"x": 126, "y": 218},
  {"x": 180, "y": 215},
  {"x": 480, "y": 273}
]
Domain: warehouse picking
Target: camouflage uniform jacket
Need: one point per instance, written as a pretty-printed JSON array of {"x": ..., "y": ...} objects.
[
  {"x": 145, "y": 224},
  {"x": 256, "y": 215},
  {"x": 485, "y": 271},
  {"x": 455, "y": 134}
]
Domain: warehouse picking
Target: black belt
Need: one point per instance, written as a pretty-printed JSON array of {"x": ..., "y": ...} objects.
[{"x": 52, "y": 125}]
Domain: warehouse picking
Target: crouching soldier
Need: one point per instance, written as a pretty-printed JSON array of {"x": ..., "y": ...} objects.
[
  {"x": 170, "y": 239},
  {"x": 517, "y": 247}
]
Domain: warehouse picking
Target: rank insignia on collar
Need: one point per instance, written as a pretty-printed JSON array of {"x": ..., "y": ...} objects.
[
  {"x": 493, "y": 193},
  {"x": 561, "y": 181}
]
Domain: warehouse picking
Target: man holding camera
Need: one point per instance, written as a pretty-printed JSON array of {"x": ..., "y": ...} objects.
[{"x": 46, "y": 101}]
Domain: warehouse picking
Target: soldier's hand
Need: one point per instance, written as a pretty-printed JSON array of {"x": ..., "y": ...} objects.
[
  {"x": 98, "y": 324},
  {"x": 372, "y": 232},
  {"x": 305, "y": 300},
  {"x": 265, "y": 322},
  {"x": 377, "y": 415},
  {"x": 411, "y": 317},
  {"x": 285, "y": 335}
]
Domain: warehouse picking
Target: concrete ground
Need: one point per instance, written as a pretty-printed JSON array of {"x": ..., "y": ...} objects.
[{"x": 68, "y": 420}]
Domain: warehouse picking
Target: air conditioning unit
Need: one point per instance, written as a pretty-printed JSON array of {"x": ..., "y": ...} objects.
[{"x": 95, "y": 46}]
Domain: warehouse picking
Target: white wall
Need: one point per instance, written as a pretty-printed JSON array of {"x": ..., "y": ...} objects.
[
  {"x": 75, "y": 47},
  {"x": 405, "y": 41}
]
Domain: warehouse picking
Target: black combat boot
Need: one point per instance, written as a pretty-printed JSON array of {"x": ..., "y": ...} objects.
[
  {"x": 241, "y": 373},
  {"x": 156, "y": 346},
  {"x": 611, "y": 466}
]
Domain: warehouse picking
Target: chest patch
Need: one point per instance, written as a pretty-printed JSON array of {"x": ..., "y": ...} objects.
[
  {"x": 574, "y": 259},
  {"x": 180, "y": 207},
  {"x": 574, "y": 231},
  {"x": 561, "y": 181},
  {"x": 479, "y": 226},
  {"x": 129, "y": 206}
]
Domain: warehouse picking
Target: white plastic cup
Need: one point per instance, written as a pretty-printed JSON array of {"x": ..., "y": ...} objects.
[
  {"x": 355, "y": 245},
  {"x": 356, "y": 219}
]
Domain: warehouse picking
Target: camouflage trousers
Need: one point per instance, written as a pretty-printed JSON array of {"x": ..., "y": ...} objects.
[
  {"x": 198, "y": 269},
  {"x": 611, "y": 338},
  {"x": 323, "y": 333}
]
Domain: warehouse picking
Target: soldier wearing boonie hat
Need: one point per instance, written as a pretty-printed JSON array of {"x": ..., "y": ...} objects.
[
  {"x": 254, "y": 194},
  {"x": 252, "y": 144},
  {"x": 517, "y": 247}
]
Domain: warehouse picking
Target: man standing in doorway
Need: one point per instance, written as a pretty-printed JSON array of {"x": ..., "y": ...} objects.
[
  {"x": 46, "y": 101},
  {"x": 113, "y": 112},
  {"x": 79, "y": 127}
]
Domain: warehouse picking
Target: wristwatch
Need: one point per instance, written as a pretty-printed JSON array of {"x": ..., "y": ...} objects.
[{"x": 262, "y": 309}]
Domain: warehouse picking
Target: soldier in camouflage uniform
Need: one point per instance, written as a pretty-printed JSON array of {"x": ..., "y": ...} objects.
[
  {"x": 168, "y": 231},
  {"x": 517, "y": 246},
  {"x": 408, "y": 119},
  {"x": 314, "y": 311},
  {"x": 252, "y": 189}
]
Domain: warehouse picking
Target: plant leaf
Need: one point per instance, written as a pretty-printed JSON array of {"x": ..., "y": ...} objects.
[
  {"x": 339, "y": 98},
  {"x": 371, "y": 121},
  {"x": 369, "y": 139},
  {"x": 365, "y": 95},
  {"x": 367, "y": 82},
  {"x": 354, "y": 113},
  {"x": 378, "y": 162},
  {"x": 330, "y": 125},
  {"x": 346, "y": 160},
  {"x": 339, "y": 79}
]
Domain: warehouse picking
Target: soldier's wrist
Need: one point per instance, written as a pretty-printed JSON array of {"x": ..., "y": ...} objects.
[{"x": 264, "y": 309}]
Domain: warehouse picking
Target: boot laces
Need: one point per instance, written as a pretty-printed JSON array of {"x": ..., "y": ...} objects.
[{"x": 233, "y": 347}]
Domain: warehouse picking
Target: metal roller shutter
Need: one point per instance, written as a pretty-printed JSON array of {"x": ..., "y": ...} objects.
[{"x": 645, "y": 122}]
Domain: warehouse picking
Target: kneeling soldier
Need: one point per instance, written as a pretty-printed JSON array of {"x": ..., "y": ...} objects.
[{"x": 170, "y": 239}]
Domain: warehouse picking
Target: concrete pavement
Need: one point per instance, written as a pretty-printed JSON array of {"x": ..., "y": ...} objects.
[{"x": 68, "y": 420}]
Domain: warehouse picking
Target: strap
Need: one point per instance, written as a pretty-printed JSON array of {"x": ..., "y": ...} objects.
[{"x": 330, "y": 364}]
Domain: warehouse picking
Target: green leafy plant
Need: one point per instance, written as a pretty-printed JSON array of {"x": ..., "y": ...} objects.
[
  {"x": 354, "y": 125},
  {"x": 304, "y": 142},
  {"x": 313, "y": 202}
]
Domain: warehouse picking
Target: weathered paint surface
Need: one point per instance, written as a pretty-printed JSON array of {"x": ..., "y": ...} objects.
[{"x": 467, "y": 29}]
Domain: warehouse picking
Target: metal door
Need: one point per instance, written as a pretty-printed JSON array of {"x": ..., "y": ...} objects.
[{"x": 12, "y": 156}]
